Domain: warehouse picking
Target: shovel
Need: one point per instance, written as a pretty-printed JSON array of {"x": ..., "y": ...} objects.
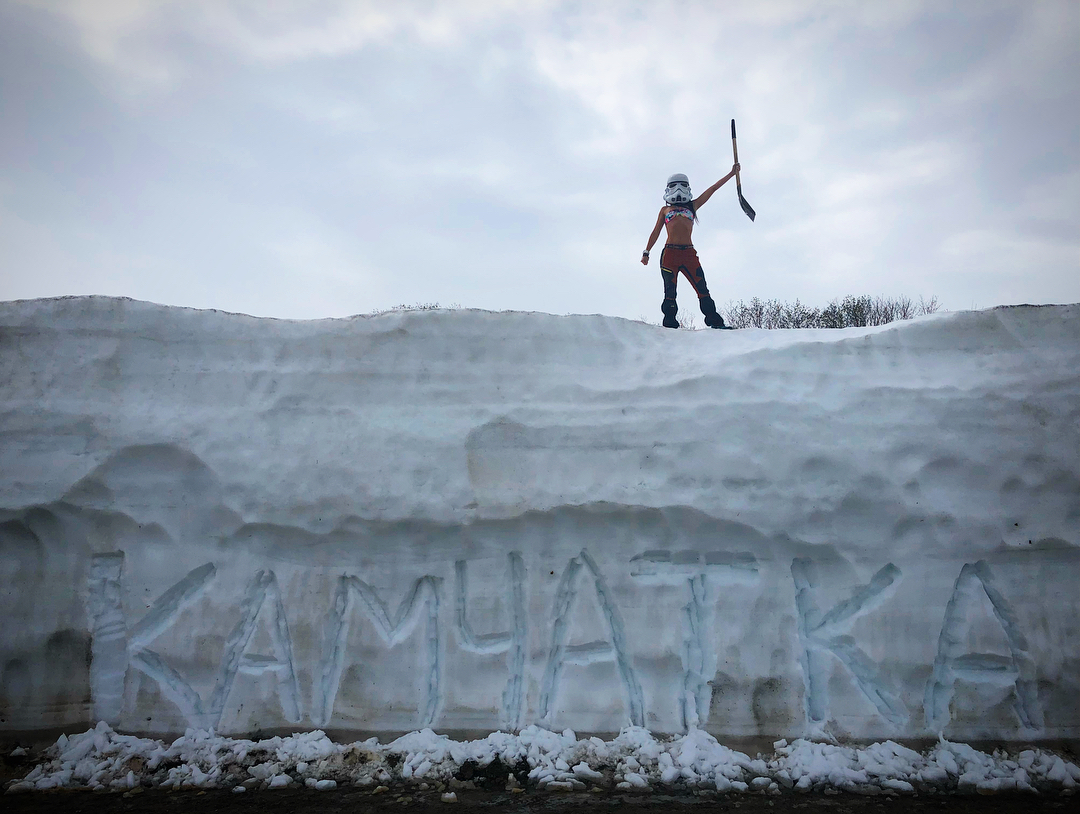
[{"x": 749, "y": 210}]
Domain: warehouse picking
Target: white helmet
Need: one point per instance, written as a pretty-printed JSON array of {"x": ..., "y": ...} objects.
[{"x": 678, "y": 189}]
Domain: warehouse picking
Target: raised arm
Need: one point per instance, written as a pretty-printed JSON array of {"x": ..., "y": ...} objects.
[
  {"x": 652, "y": 238},
  {"x": 704, "y": 196}
]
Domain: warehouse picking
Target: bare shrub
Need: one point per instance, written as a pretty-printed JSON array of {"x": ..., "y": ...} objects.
[
  {"x": 856, "y": 311},
  {"x": 688, "y": 320},
  {"x": 832, "y": 316},
  {"x": 419, "y": 306},
  {"x": 797, "y": 315},
  {"x": 850, "y": 312}
]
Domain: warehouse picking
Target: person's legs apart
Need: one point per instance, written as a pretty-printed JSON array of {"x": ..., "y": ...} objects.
[{"x": 705, "y": 301}]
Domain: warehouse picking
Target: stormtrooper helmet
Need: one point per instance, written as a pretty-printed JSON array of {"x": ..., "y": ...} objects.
[{"x": 678, "y": 189}]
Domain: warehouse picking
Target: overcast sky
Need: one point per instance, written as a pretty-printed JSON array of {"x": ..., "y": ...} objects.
[{"x": 315, "y": 159}]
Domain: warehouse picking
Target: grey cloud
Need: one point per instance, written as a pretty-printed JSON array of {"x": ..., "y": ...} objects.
[{"x": 324, "y": 162}]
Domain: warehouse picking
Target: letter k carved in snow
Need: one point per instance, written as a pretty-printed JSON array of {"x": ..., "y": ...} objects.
[
  {"x": 824, "y": 634},
  {"x": 115, "y": 646}
]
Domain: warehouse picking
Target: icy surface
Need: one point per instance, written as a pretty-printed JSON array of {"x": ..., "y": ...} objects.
[
  {"x": 102, "y": 759},
  {"x": 468, "y": 521}
]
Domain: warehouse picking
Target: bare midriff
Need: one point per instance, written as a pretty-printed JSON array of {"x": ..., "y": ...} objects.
[{"x": 679, "y": 230}]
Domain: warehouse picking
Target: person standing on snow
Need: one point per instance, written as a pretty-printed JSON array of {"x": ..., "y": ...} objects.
[{"x": 679, "y": 216}]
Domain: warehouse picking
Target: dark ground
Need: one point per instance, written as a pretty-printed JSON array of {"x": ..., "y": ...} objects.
[
  {"x": 302, "y": 801},
  {"x": 352, "y": 800}
]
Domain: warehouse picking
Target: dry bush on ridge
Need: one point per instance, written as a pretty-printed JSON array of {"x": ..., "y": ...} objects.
[
  {"x": 850, "y": 312},
  {"x": 687, "y": 320},
  {"x": 420, "y": 306}
]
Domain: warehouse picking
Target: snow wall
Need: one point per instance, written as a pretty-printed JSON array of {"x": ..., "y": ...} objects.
[{"x": 472, "y": 520}]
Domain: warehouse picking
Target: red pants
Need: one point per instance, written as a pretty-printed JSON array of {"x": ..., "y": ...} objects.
[{"x": 677, "y": 258}]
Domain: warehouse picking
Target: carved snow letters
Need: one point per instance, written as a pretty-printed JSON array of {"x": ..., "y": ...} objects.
[
  {"x": 822, "y": 634},
  {"x": 951, "y": 663}
]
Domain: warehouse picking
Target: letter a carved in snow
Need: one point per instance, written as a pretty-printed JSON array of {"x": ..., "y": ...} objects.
[
  {"x": 263, "y": 586},
  {"x": 591, "y": 652},
  {"x": 1017, "y": 669},
  {"x": 822, "y": 634}
]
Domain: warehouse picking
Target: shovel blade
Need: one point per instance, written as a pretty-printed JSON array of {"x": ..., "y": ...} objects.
[{"x": 749, "y": 210}]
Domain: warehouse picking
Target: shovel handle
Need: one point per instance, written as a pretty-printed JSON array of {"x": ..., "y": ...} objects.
[
  {"x": 735, "y": 151},
  {"x": 749, "y": 210}
]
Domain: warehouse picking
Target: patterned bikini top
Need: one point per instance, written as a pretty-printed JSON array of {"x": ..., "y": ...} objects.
[{"x": 676, "y": 212}]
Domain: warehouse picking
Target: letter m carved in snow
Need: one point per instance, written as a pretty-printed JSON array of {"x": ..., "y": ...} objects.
[
  {"x": 424, "y": 595},
  {"x": 824, "y": 634}
]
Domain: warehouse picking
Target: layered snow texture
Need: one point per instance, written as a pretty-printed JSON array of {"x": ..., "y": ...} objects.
[
  {"x": 470, "y": 521},
  {"x": 538, "y": 758}
]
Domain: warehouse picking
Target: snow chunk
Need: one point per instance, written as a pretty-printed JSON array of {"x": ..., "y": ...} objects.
[{"x": 102, "y": 758}]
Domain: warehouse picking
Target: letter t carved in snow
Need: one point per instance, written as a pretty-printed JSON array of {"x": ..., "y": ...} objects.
[
  {"x": 821, "y": 634},
  {"x": 694, "y": 569}
]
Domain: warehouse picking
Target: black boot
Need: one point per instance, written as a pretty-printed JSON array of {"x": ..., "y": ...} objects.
[
  {"x": 712, "y": 318},
  {"x": 670, "y": 309}
]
